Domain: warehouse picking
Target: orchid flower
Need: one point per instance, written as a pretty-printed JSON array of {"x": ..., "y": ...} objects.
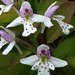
[
  {"x": 27, "y": 18},
  {"x": 43, "y": 61},
  {"x": 8, "y": 37},
  {"x": 50, "y": 13},
  {"x": 7, "y": 6}
]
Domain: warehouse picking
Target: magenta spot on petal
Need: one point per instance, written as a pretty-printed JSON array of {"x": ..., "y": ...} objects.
[
  {"x": 39, "y": 71},
  {"x": 30, "y": 24},
  {"x": 21, "y": 21},
  {"x": 67, "y": 25},
  {"x": 36, "y": 66},
  {"x": 29, "y": 21},
  {"x": 60, "y": 17},
  {"x": 27, "y": 32},
  {"x": 51, "y": 65},
  {"x": 45, "y": 68},
  {"x": 64, "y": 29},
  {"x": 26, "y": 29},
  {"x": 26, "y": 23},
  {"x": 24, "y": 19},
  {"x": 41, "y": 66},
  {"x": 48, "y": 71},
  {"x": 39, "y": 63},
  {"x": 62, "y": 26}
]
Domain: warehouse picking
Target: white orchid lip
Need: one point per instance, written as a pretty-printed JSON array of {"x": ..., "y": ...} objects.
[{"x": 6, "y": 36}]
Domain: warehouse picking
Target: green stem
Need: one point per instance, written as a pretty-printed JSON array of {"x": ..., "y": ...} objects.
[{"x": 25, "y": 43}]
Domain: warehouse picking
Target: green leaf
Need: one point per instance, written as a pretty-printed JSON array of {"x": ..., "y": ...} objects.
[
  {"x": 71, "y": 61},
  {"x": 53, "y": 32},
  {"x": 67, "y": 47},
  {"x": 8, "y": 17}
]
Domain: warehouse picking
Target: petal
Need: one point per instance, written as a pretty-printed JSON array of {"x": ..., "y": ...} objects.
[
  {"x": 16, "y": 22},
  {"x": 40, "y": 18},
  {"x": 10, "y": 32},
  {"x": 18, "y": 48},
  {"x": 6, "y": 36},
  {"x": 8, "y": 8},
  {"x": 26, "y": 10},
  {"x": 7, "y": 2},
  {"x": 58, "y": 62},
  {"x": 43, "y": 47},
  {"x": 51, "y": 5},
  {"x": 35, "y": 66},
  {"x": 29, "y": 60},
  {"x": 43, "y": 69},
  {"x": 2, "y": 7},
  {"x": 50, "y": 66},
  {"x": 61, "y": 17},
  {"x": 64, "y": 26},
  {"x": 2, "y": 42},
  {"x": 9, "y": 48},
  {"x": 43, "y": 28},
  {"x": 28, "y": 29},
  {"x": 51, "y": 11},
  {"x": 66, "y": 31},
  {"x": 22, "y": 11},
  {"x": 25, "y": 4}
]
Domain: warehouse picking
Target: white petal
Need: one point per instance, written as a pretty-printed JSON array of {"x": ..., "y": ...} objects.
[
  {"x": 2, "y": 42},
  {"x": 43, "y": 69},
  {"x": 18, "y": 48},
  {"x": 8, "y": 8},
  {"x": 50, "y": 7},
  {"x": 52, "y": 4},
  {"x": 65, "y": 27},
  {"x": 66, "y": 31},
  {"x": 50, "y": 66},
  {"x": 43, "y": 47},
  {"x": 16, "y": 22},
  {"x": 2, "y": 7},
  {"x": 10, "y": 32},
  {"x": 29, "y": 60},
  {"x": 61, "y": 17},
  {"x": 40, "y": 18},
  {"x": 58, "y": 62},
  {"x": 9, "y": 48},
  {"x": 43, "y": 28},
  {"x": 35, "y": 66},
  {"x": 28, "y": 29}
]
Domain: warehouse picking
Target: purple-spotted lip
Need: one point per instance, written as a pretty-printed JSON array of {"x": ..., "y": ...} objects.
[
  {"x": 51, "y": 12},
  {"x": 6, "y": 36},
  {"x": 7, "y": 2},
  {"x": 45, "y": 53}
]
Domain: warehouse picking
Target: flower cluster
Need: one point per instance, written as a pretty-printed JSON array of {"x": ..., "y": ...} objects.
[{"x": 43, "y": 61}]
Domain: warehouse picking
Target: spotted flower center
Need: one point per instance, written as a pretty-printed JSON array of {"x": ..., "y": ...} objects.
[{"x": 43, "y": 54}]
